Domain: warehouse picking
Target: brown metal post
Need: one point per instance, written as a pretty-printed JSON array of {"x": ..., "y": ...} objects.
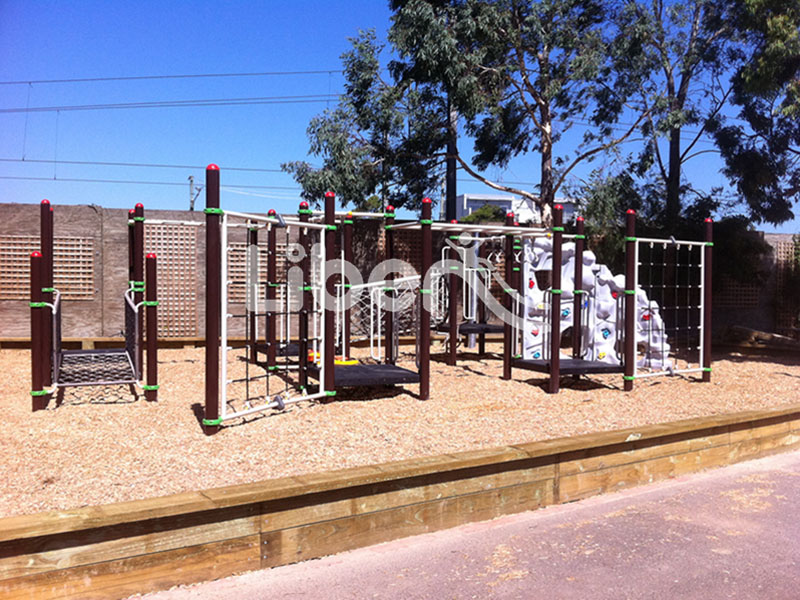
[
  {"x": 630, "y": 298},
  {"x": 271, "y": 337},
  {"x": 131, "y": 215},
  {"x": 329, "y": 325},
  {"x": 46, "y": 217},
  {"x": 452, "y": 282},
  {"x": 348, "y": 257},
  {"x": 305, "y": 289},
  {"x": 425, "y": 313},
  {"x": 211, "y": 420},
  {"x": 508, "y": 301},
  {"x": 709, "y": 239},
  {"x": 38, "y": 395},
  {"x": 555, "y": 301},
  {"x": 252, "y": 242},
  {"x": 578, "y": 300},
  {"x": 151, "y": 306},
  {"x": 138, "y": 278},
  {"x": 389, "y": 357}
]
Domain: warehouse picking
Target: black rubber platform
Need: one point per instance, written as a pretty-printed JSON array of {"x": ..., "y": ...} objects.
[
  {"x": 569, "y": 366},
  {"x": 95, "y": 367},
  {"x": 363, "y": 375},
  {"x": 470, "y": 328}
]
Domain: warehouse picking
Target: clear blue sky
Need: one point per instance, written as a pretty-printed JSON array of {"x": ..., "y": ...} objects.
[{"x": 42, "y": 40}]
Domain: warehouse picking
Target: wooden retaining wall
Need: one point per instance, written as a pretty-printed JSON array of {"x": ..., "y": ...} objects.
[{"x": 116, "y": 550}]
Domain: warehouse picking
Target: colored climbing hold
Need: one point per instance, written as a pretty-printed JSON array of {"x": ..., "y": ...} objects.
[
  {"x": 565, "y": 313},
  {"x": 646, "y": 317},
  {"x": 601, "y": 355},
  {"x": 606, "y": 333},
  {"x": 531, "y": 284},
  {"x": 537, "y": 354},
  {"x": 614, "y": 295},
  {"x": 535, "y": 332}
]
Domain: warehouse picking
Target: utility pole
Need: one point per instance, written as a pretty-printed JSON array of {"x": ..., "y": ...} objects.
[{"x": 194, "y": 192}]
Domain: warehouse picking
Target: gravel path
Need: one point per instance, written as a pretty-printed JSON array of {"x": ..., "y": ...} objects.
[{"x": 103, "y": 445}]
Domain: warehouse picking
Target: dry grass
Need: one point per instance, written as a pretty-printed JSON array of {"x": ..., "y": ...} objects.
[{"x": 103, "y": 445}]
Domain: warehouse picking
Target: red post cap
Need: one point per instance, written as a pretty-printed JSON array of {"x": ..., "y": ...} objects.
[
  {"x": 45, "y": 201},
  {"x": 510, "y": 214},
  {"x": 131, "y": 211},
  {"x": 151, "y": 255},
  {"x": 579, "y": 218},
  {"x": 630, "y": 211},
  {"x": 390, "y": 208},
  {"x": 349, "y": 215},
  {"x": 330, "y": 195},
  {"x": 454, "y": 220},
  {"x": 212, "y": 167},
  {"x": 271, "y": 212},
  {"x": 558, "y": 207},
  {"x": 36, "y": 254},
  {"x": 303, "y": 204},
  {"x": 139, "y": 205},
  {"x": 427, "y": 201},
  {"x": 709, "y": 220},
  {"x": 516, "y": 223}
]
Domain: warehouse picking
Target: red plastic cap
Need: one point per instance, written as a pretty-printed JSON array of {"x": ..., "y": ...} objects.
[
  {"x": 558, "y": 207},
  {"x": 271, "y": 212},
  {"x": 304, "y": 204},
  {"x": 579, "y": 218},
  {"x": 131, "y": 211},
  {"x": 45, "y": 201},
  {"x": 390, "y": 208},
  {"x": 427, "y": 201},
  {"x": 139, "y": 205},
  {"x": 349, "y": 215},
  {"x": 36, "y": 254},
  {"x": 330, "y": 195},
  {"x": 630, "y": 211},
  {"x": 709, "y": 220},
  {"x": 212, "y": 167},
  {"x": 511, "y": 214},
  {"x": 516, "y": 223},
  {"x": 151, "y": 255},
  {"x": 454, "y": 221}
]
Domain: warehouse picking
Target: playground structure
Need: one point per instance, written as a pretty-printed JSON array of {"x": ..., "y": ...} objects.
[
  {"x": 300, "y": 312},
  {"x": 53, "y": 367}
]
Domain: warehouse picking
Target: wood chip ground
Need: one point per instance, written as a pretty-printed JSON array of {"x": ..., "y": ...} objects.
[{"x": 105, "y": 445}]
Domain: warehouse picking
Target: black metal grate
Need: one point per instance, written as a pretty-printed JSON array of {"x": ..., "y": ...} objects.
[{"x": 95, "y": 367}]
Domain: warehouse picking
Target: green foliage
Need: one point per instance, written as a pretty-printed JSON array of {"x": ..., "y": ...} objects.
[
  {"x": 381, "y": 140},
  {"x": 488, "y": 213}
]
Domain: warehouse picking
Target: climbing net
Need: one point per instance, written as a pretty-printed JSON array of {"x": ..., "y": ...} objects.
[{"x": 670, "y": 309}]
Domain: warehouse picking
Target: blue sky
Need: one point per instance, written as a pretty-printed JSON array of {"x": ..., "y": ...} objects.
[{"x": 42, "y": 40}]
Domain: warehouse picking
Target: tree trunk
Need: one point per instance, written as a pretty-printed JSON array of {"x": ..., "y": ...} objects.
[{"x": 672, "y": 210}]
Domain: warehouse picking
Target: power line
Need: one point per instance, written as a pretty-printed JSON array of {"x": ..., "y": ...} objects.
[
  {"x": 180, "y": 103},
  {"x": 152, "y": 77},
  {"x": 136, "y": 182},
  {"x": 128, "y": 164}
]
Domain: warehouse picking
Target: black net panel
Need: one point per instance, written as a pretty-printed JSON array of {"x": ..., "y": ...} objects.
[{"x": 95, "y": 367}]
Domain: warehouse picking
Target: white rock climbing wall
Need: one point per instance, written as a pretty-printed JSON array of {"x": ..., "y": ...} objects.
[{"x": 603, "y": 314}]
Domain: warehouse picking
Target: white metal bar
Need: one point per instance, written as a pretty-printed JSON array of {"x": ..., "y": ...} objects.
[
  {"x": 670, "y": 242},
  {"x": 321, "y": 312},
  {"x": 702, "y": 306},
  {"x": 150, "y": 221},
  {"x": 269, "y": 405},
  {"x": 224, "y": 312},
  {"x": 673, "y": 372}
]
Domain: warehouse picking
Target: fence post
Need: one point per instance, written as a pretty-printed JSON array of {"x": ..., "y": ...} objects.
[
  {"x": 630, "y": 298},
  {"x": 508, "y": 301},
  {"x": 151, "y": 305},
  {"x": 709, "y": 239},
  {"x": 307, "y": 300},
  {"x": 425, "y": 311},
  {"x": 252, "y": 292},
  {"x": 211, "y": 420},
  {"x": 555, "y": 301}
]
